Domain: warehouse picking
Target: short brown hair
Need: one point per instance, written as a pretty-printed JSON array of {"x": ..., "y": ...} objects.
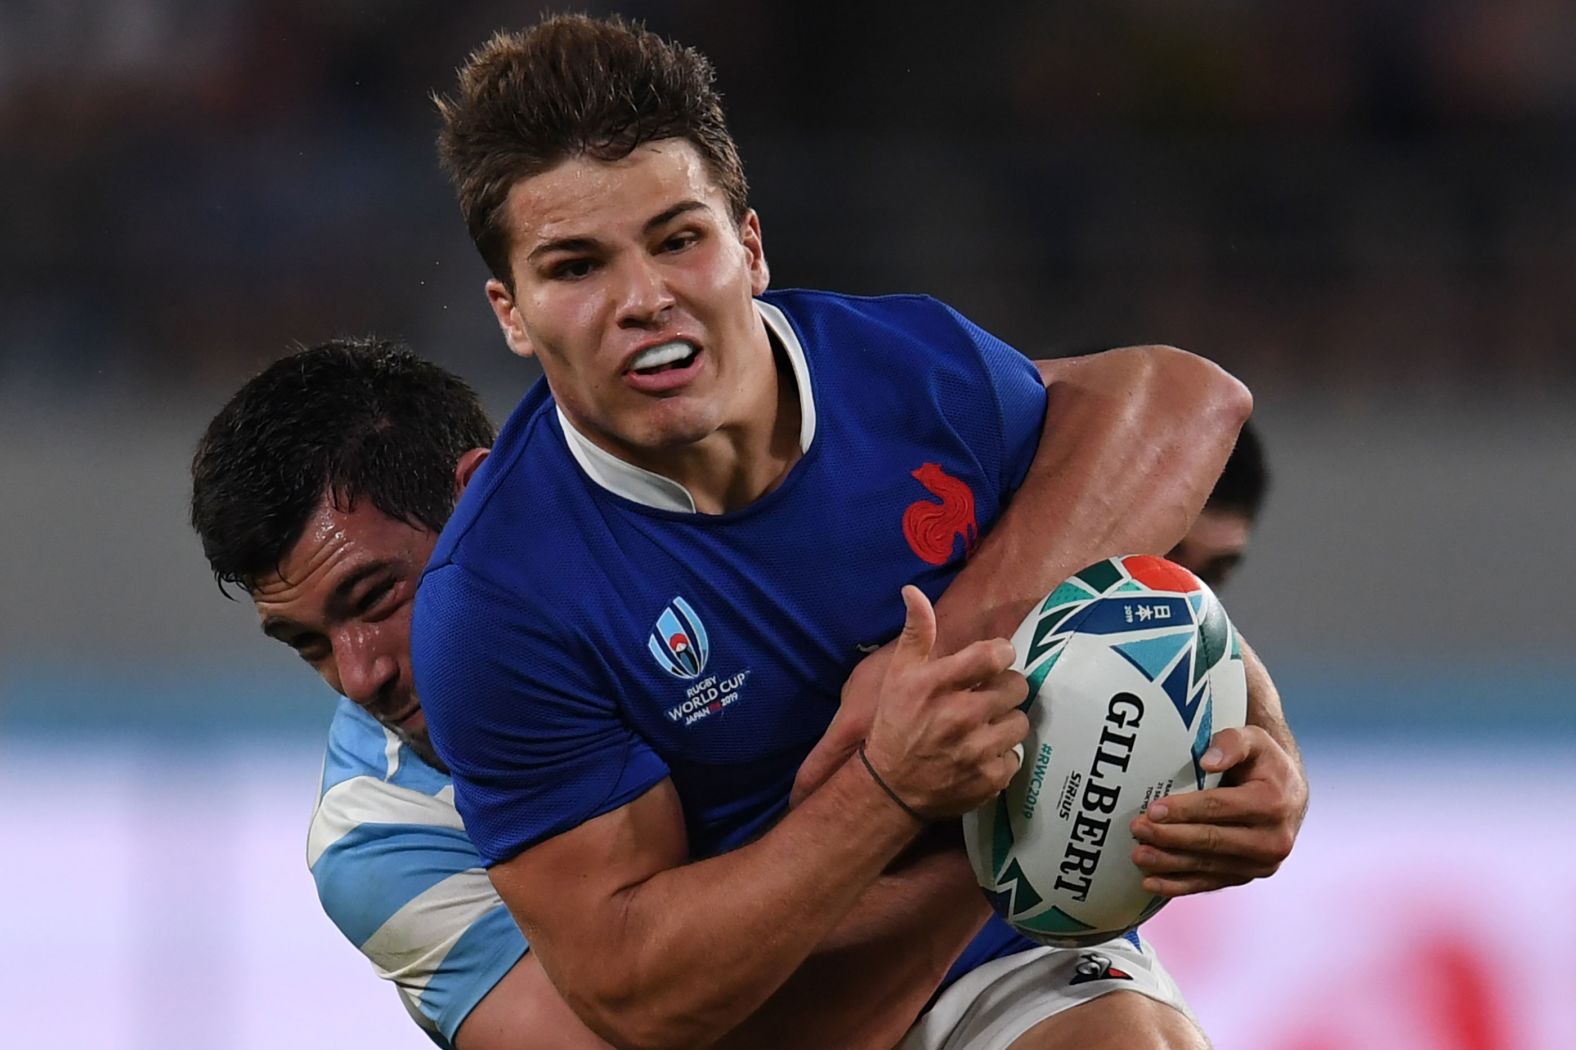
[{"x": 574, "y": 86}]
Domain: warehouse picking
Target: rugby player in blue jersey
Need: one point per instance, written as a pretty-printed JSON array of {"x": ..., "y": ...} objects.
[
  {"x": 319, "y": 488},
  {"x": 636, "y": 625}
]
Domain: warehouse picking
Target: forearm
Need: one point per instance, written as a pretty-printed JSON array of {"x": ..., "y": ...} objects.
[
  {"x": 699, "y": 946},
  {"x": 931, "y": 878},
  {"x": 1133, "y": 442},
  {"x": 868, "y": 981},
  {"x": 1264, "y": 705}
]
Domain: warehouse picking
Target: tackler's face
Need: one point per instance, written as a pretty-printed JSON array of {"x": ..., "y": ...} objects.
[
  {"x": 1214, "y": 546},
  {"x": 342, "y": 599},
  {"x": 634, "y": 288}
]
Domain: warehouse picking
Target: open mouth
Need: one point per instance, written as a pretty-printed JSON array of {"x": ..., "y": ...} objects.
[{"x": 664, "y": 357}]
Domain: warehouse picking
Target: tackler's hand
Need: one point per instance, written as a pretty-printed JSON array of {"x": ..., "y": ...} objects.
[{"x": 1225, "y": 836}]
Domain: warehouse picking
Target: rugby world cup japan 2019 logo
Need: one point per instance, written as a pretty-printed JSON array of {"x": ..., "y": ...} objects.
[
  {"x": 679, "y": 641},
  {"x": 680, "y": 647},
  {"x": 933, "y": 529}
]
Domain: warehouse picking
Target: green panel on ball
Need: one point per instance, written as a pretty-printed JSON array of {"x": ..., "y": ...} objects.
[
  {"x": 1043, "y": 630},
  {"x": 1001, "y": 836},
  {"x": 1213, "y": 640},
  {"x": 1100, "y": 575},
  {"x": 1024, "y": 895},
  {"x": 1066, "y": 593},
  {"x": 1037, "y": 678}
]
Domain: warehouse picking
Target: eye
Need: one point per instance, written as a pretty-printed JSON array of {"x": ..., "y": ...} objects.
[
  {"x": 679, "y": 241},
  {"x": 373, "y": 596},
  {"x": 313, "y": 648},
  {"x": 571, "y": 269}
]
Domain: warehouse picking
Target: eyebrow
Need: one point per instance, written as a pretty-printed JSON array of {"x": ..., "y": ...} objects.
[
  {"x": 585, "y": 244},
  {"x": 338, "y": 601}
]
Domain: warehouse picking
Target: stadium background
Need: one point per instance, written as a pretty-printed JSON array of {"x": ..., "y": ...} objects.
[{"x": 1365, "y": 209}]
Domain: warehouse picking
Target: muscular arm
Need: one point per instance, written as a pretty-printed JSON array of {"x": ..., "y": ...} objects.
[
  {"x": 651, "y": 950},
  {"x": 1132, "y": 444}
]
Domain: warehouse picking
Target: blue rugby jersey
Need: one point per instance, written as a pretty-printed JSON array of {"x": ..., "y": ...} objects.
[
  {"x": 397, "y": 874},
  {"x": 580, "y": 634}
]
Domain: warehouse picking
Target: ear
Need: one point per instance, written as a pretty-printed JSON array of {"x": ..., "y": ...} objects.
[
  {"x": 750, "y": 237},
  {"x": 466, "y": 469},
  {"x": 501, "y": 299}
]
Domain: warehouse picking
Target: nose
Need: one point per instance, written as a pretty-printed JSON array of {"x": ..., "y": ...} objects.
[
  {"x": 643, "y": 292},
  {"x": 366, "y": 672}
]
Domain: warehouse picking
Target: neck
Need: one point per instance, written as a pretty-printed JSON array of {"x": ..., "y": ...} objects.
[{"x": 741, "y": 462}]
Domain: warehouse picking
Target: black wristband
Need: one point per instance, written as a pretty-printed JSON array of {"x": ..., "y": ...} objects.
[{"x": 882, "y": 784}]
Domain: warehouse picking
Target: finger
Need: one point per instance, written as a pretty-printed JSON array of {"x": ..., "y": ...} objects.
[
  {"x": 1183, "y": 885},
  {"x": 1252, "y": 802},
  {"x": 1004, "y": 734},
  {"x": 1170, "y": 864},
  {"x": 1230, "y": 748},
  {"x": 977, "y": 664},
  {"x": 1250, "y": 847},
  {"x": 918, "y": 636},
  {"x": 1001, "y": 768}
]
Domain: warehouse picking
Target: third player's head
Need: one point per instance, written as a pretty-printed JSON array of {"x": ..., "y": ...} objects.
[
  {"x": 1218, "y": 540},
  {"x": 320, "y": 488},
  {"x": 600, "y": 184}
]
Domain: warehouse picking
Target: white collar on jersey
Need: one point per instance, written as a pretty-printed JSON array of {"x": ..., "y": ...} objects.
[{"x": 653, "y": 490}]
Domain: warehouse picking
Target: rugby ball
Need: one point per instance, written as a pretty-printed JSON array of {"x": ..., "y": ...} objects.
[{"x": 1132, "y": 667}]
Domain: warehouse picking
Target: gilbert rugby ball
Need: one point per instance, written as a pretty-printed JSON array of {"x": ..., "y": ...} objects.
[{"x": 1132, "y": 667}]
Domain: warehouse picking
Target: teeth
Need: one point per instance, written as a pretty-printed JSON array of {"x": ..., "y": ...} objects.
[{"x": 662, "y": 354}]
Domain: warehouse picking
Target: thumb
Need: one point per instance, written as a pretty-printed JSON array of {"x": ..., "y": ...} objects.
[
  {"x": 919, "y": 628},
  {"x": 1227, "y": 749}
]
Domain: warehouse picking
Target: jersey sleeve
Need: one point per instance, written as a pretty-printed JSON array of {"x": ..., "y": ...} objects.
[
  {"x": 1010, "y": 420},
  {"x": 520, "y": 709},
  {"x": 397, "y": 874}
]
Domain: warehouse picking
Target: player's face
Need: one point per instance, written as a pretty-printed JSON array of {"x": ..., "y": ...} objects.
[
  {"x": 342, "y": 600},
  {"x": 633, "y": 287},
  {"x": 1214, "y": 546}
]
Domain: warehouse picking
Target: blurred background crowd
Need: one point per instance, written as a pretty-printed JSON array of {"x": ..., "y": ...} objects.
[
  {"x": 1363, "y": 193},
  {"x": 1367, "y": 210}
]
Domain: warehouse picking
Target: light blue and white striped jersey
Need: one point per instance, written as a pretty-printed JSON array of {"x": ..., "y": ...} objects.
[{"x": 398, "y": 876}]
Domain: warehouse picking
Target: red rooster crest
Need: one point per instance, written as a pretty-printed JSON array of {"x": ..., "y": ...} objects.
[{"x": 931, "y": 528}]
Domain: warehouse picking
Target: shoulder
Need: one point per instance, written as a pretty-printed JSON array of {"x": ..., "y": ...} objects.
[
  {"x": 374, "y": 846},
  {"x": 398, "y": 875},
  {"x": 811, "y": 305},
  {"x": 888, "y": 333}
]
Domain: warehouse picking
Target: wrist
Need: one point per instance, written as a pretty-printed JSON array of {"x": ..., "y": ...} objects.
[{"x": 919, "y": 819}]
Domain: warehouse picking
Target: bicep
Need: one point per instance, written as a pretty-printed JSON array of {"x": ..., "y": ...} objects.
[{"x": 568, "y": 892}]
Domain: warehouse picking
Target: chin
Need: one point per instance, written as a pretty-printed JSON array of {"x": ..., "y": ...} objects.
[
  {"x": 679, "y": 427},
  {"x": 421, "y": 744}
]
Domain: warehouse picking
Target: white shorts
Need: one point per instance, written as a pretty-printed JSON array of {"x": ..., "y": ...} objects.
[{"x": 992, "y": 1005}]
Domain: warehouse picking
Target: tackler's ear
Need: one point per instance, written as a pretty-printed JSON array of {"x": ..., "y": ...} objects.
[
  {"x": 501, "y": 299},
  {"x": 465, "y": 469}
]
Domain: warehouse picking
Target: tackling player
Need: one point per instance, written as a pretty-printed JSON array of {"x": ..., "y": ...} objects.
[
  {"x": 320, "y": 488},
  {"x": 635, "y": 626}
]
